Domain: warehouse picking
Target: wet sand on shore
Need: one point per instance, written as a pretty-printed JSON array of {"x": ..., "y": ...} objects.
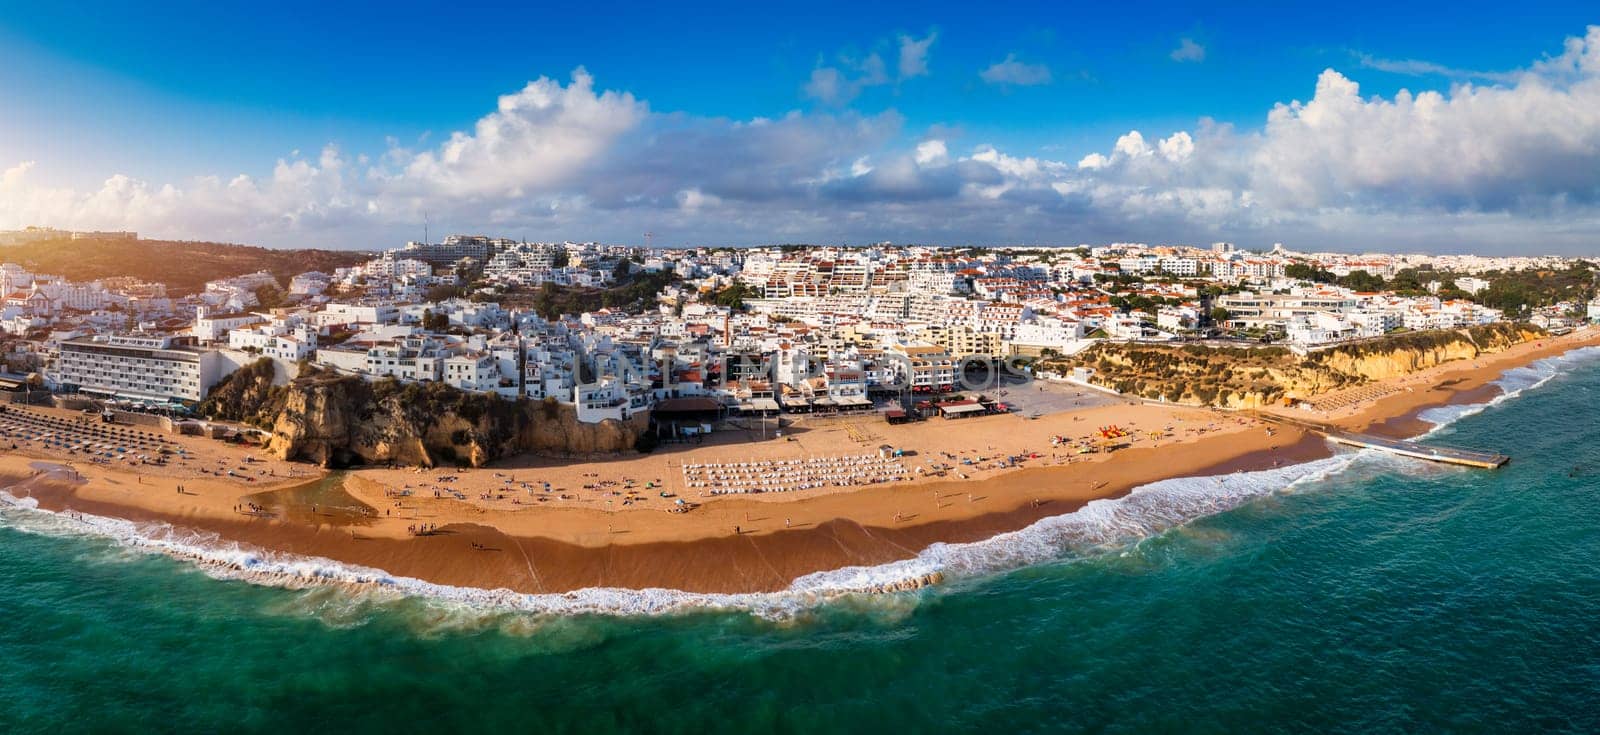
[{"x": 545, "y": 548}]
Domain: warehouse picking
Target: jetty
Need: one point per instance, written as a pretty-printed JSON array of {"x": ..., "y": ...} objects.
[
  {"x": 1401, "y": 447},
  {"x": 1447, "y": 455}
]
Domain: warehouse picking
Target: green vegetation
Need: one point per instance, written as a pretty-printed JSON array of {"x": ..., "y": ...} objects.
[
  {"x": 1485, "y": 336},
  {"x": 1513, "y": 292},
  {"x": 550, "y": 300},
  {"x": 184, "y": 267},
  {"x": 734, "y": 295},
  {"x": 1140, "y": 302},
  {"x": 434, "y": 322},
  {"x": 1358, "y": 280},
  {"x": 444, "y": 292},
  {"x": 247, "y": 396},
  {"x": 271, "y": 297},
  {"x": 1205, "y": 375},
  {"x": 1517, "y": 291}
]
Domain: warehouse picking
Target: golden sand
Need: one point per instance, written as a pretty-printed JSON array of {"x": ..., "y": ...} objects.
[{"x": 491, "y": 531}]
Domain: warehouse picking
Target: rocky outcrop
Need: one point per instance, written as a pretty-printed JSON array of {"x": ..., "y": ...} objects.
[
  {"x": 1253, "y": 377},
  {"x": 339, "y": 421},
  {"x": 245, "y": 394}
]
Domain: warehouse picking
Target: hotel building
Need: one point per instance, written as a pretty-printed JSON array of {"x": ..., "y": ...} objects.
[{"x": 160, "y": 368}]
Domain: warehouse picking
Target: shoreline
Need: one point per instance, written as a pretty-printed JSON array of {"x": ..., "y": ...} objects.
[{"x": 860, "y": 527}]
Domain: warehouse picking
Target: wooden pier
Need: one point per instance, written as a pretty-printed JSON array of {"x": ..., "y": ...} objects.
[{"x": 1467, "y": 457}]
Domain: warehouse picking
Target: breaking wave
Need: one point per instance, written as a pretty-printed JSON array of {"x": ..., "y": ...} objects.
[
  {"x": 1512, "y": 383},
  {"x": 1146, "y": 511},
  {"x": 1099, "y": 525}
]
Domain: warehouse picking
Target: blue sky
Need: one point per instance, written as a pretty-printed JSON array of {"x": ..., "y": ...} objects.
[{"x": 115, "y": 115}]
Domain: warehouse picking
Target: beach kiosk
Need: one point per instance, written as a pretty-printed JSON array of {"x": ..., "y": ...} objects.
[{"x": 961, "y": 409}]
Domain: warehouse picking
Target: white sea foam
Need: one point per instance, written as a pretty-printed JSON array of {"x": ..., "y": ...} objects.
[
  {"x": 1144, "y": 512},
  {"x": 1512, "y": 383}
]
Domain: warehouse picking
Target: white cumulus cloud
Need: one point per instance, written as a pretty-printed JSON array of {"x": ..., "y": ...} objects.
[
  {"x": 535, "y": 139},
  {"x": 1511, "y": 165}
]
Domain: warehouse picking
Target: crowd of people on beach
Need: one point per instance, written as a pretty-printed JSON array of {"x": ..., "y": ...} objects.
[
  {"x": 782, "y": 475},
  {"x": 249, "y": 508}
]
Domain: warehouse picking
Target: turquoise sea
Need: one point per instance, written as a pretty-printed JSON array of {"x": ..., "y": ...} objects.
[{"x": 1358, "y": 594}]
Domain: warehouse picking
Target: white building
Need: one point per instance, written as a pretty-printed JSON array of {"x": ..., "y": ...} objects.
[
  {"x": 474, "y": 371},
  {"x": 78, "y": 296},
  {"x": 412, "y": 360},
  {"x": 390, "y": 268},
  {"x": 145, "y": 368},
  {"x": 1042, "y": 333},
  {"x": 279, "y": 340},
  {"x": 338, "y": 314},
  {"x": 211, "y": 327},
  {"x": 310, "y": 283}
]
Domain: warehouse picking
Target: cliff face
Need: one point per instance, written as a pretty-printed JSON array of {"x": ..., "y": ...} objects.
[
  {"x": 337, "y": 421},
  {"x": 1256, "y": 377},
  {"x": 244, "y": 394},
  {"x": 1398, "y": 361}
]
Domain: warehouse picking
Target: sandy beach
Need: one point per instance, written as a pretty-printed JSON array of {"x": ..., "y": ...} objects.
[{"x": 550, "y": 525}]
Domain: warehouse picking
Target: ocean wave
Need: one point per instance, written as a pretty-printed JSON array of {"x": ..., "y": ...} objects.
[
  {"x": 1146, "y": 511},
  {"x": 1512, "y": 383}
]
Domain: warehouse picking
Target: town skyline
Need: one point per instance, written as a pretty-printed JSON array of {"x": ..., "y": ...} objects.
[{"x": 1352, "y": 135}]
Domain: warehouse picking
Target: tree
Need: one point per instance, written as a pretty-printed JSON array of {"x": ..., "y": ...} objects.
[
  {"x": 1308, "y": 272},
  {"x": 434, "y": 322},
  {"x": 734, "y": 295},
  {"x": 269, "y": 297},
  {"x": 1220, "y": 315},
  {"x": 620, "y": 273},
  {"x": 1360, "y": 280},
  {"x": 443, "y": 292},
  {"x": 545, "y": 301},
  {"x": 1408, "y": 282}
]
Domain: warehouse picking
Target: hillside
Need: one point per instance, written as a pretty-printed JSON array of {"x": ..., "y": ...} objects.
[
  {"x": 1250, "y": 377},
  {"x": 183, "y": 266}
]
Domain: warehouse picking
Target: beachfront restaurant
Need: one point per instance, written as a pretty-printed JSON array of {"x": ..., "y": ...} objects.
[
  {"x": 13, "y": 388},
  {"x": 759, "y": 407},
  {"x": 961, "y": 409},
  {"x": 792, "y": 400},
  {"x": 853, "y": 403}
]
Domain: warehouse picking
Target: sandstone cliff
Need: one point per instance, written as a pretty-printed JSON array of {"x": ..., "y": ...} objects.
[
  {"x": 337, "y": 421},
  {"x": 1251, "y": 377},
  {"x": 245, "y": 394}
]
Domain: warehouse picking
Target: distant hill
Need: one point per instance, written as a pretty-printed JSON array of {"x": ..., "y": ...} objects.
[{"x": 183, "y": 266}]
